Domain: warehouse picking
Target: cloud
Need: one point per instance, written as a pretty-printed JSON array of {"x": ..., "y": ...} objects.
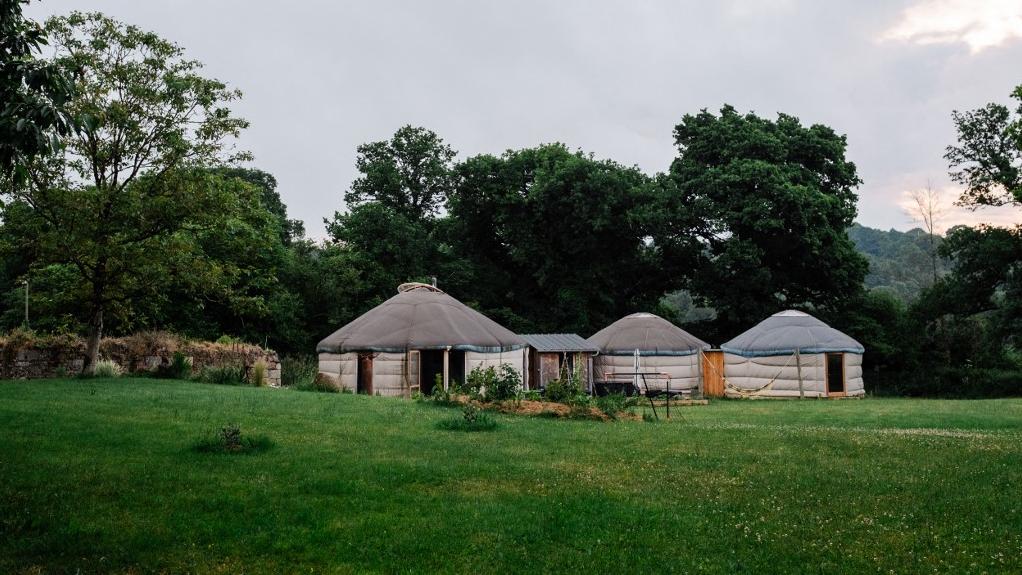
[
  {"x": 948, "y": 215},
  {"x": 979, "y": 24}
]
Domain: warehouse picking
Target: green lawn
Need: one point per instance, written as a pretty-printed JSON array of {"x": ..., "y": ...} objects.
[{"x": 100, "y": 476}]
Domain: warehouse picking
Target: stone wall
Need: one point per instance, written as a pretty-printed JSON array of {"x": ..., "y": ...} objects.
[{"x": 24, "y": 356}]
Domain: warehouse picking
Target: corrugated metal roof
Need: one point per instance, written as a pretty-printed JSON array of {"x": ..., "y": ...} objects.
[{"x": 558, "y": 342}]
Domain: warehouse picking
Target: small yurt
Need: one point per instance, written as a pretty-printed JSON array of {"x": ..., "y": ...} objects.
[
  {"x": 792, "y": 354},
  {"x": 649, "y": 344},
  {"x": 413, "y": 340}
]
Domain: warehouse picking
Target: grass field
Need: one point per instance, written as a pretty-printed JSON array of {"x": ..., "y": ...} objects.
[{"x": 101, "y": 476}]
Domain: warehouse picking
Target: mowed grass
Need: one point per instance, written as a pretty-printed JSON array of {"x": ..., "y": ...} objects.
[{"x": 101, "y": 476}]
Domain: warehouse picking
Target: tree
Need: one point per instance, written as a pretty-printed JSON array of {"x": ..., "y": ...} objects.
[
  {"x": 32, "y": 94},
  {"x": 928, "y": 209},
  {"x": 409, "y": 174},
  {"x": 988, "y": 157},
  {"x": 777, "y": 199},
  {"x": 556, "y": 240},
  {"x": 124, "y": 202}
]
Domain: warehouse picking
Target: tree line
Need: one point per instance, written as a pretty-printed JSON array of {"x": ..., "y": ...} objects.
[{"x": 127, "y": 206}]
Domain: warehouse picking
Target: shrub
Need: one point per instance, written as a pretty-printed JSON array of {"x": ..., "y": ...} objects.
[
  {"x": 479, "y": 380},
  {"x": 258, "y": 375},
  {"x": 472, "y": 419},
  {"x": 965, "y": 382},
  {"x": 561, "y": 390},
  {"x": 229, "y": 439},
  {"x": 299, "y": 371},
  {"x": 223, "y": 374},
  {"x": 507, "y": 384},
  {"x": 228, "y": 340},
  {"x": 615, "y": 404},
  {"x": 106, "y": 368},
  {"x": 180, "y": 367},
  {"x": 532, "y": 395},
  {"x": 326, "y": 384}
]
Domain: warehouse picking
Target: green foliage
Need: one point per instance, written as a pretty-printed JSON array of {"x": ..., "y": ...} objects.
[
  {"x": 257, "y": 376},
  {"x": 561, "y": 390},
  {"x": 472, "y": 419},
  {"x": 228, "y": 374},
  {"x": 125, "y": 203},
  {"x": 228, "y": 340},
  {"x": 567, "y": 230},
  {"x": 478, "y": 381},
  {"x": 773, "y": 201},
  {"x": 106, "y": 368},
  {"x": 33, "y": 93},
  {"x": 298, "y": 371},
  {"x": 180, "y": 367},
  {"x": 506, "y": 385},
  {"x": 616, "y": 404},
  {"x": 987, "y": 159},
  {"x": 899, "y": 262},
  {"x": 229, "y": 439}
]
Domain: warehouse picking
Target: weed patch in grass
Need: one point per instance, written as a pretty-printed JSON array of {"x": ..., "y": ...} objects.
[
  {"x": 229, "y": 439},
  {"x": 472, "y": 419}
]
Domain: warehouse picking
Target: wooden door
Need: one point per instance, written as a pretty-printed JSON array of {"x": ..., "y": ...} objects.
[
  {"x": 365, "y": 373},
  {"x": 713, "y": 373}
]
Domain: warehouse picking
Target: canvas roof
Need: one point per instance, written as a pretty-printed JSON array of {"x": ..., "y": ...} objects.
[
  {"x": 648, "y": 333},
  {"x": 559, "y": 342},
  {"x": 787, "y": 331},
  {"x": 421, "y": 318}
]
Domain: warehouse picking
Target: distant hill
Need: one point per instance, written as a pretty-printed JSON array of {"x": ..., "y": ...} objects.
[{"x": 899, "y": 262}]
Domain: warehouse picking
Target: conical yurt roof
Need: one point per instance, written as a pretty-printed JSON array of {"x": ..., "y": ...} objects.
[
  {"x": 648, "y": 333},
  {"x": 790, "y": 330},
  {"x": 421, "y": 317}
]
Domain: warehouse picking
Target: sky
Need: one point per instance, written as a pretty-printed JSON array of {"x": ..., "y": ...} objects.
[{"x": 612, "y": 78}]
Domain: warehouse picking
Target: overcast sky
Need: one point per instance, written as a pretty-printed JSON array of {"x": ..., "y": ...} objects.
[{"x": 612, "y": 78}]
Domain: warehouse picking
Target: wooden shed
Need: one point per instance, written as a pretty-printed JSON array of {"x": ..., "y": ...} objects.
[{"x": 554, "y": 354}]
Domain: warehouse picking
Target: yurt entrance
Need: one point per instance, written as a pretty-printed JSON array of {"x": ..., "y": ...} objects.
[
  {"x": 835, "y": 373},
  {"x": 364, "y": 378},
  {"x": 432, "y": 364}
]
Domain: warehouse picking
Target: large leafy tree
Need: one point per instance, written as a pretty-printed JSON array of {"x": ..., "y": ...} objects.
[
  {"x": 125, "y": 202},
  {"x": 389, "y": 227},
  {"x": 988, "y": 157},
  {"x": 32, "y": 94},
  {"x": 556, "y": 240},
  {"x": 409, "y": 173},
  {"x": 776, "y": 199}
]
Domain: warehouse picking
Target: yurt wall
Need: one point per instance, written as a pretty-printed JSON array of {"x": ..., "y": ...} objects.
[{"x": 684, "y": 370}]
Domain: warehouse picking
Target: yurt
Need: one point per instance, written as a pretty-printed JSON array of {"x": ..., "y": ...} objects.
[
  {"x": 648, "y": 344},
  {"x": 402, "y": 345},
  {"x": 792, "y": 354}
]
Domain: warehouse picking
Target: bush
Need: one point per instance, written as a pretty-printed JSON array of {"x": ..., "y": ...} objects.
[
  {"x": 507, "y": 384},
  {"x": 258, "y": 375},
  {"x": 965, "y": 382},
  {"x": 228, "y": 340},
  {"x": 223, "y": 375},
  {"x": 615, "y": 404},
  {"x": 299, "y": 371},
  {"x": 106, "y": 368},
  {"x": 180, "y": 367},
  {"x": 229, "y": 439},
  {"x": 478, "y": 381},
  {"x": 561, "y": 390},
  {"x": 472, "y": 419}
]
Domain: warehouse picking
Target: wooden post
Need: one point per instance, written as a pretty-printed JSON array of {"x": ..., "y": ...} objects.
[
  {"x": 798, "y": 367},
  {"x": 447, "y": 363}
]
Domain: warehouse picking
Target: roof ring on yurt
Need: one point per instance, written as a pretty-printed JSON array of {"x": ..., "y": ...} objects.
[{"x": 409, "y": 286}]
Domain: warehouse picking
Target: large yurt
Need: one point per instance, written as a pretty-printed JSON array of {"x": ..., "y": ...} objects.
[
  {"x": 414, "y": 339},
  {"x": 792, "y": 354},
  {"x": 645, "y": 343}
]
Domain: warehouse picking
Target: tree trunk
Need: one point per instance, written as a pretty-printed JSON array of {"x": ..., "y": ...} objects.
[{"x": 92, "y": 343}]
